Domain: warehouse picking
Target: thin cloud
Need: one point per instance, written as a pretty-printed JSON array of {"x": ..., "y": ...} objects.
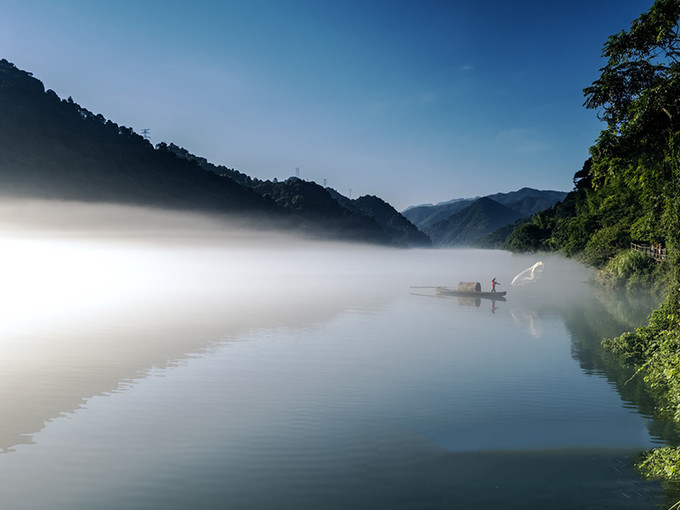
[
  {"x": 427, "y": 97},
  {"x": 523, "y": 141},
  {"x": 534, "y": 147}
]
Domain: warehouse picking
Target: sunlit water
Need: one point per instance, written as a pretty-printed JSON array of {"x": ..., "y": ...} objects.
[{"x": 232, "y": 374}]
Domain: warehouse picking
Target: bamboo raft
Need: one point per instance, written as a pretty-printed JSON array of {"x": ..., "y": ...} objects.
[{"x": 466, "y": 289}]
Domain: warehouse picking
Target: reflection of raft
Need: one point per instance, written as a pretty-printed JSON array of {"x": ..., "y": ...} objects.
[
  {"x": 466, "y": 290},
  {"x": 448, "y": 291},
  {"x": 470, "y": 289}
]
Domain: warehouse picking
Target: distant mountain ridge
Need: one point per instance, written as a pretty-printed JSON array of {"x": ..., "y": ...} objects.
[
  {"x": 470, "y": 225},
  {"x": 466, "y": 222},
  {"x": 424, "y": 216},
  {"x": 529, "y": 201},
  {"x": 53, "y": 148},
  {"x": 399, "y": 228},
  {"x": 299, "y": 195}
]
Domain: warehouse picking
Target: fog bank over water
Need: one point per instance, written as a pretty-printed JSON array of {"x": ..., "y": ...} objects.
[
  {"x": 97, "y": 296},
  {"x": 105, "y": 249}
]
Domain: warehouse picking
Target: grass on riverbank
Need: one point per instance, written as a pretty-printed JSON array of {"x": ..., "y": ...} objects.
[{"x": 634, "y": 271}]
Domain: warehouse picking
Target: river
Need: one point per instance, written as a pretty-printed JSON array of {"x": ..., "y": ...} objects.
[{"x": 251, "y": 373}]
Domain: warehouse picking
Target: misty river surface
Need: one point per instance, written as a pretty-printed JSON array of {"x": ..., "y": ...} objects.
[{"x": 258, "y": 375}]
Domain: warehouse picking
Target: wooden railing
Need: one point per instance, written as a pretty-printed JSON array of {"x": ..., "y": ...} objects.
[{"x": 658, "y": 254}]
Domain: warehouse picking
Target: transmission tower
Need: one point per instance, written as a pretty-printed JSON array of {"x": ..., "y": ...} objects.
[{"x": 145, "y": 133}]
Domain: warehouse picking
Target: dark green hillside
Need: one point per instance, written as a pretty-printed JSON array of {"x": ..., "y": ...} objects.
[
  {"x": 314, "y": 204},
  {"x": 424, "y": 216},
  {"x": 528, "y": 201},
  {"x": 471, "y": 225},
  {"x": 374, "y": 219},
  {"x": 235, "y": 175},
  {"x": 399, "y": 228},
  {"x": 525, "y": 202},
  {"x": 54, "y": 148}
]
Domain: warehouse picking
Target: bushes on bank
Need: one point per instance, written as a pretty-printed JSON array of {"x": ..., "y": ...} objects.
[{"x": 632, "y": 270}]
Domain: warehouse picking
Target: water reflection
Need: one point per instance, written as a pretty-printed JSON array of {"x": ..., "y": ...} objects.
[
  {"x": 529, "y": 320},
  {"x": 82, "y": 315},
  {"x": 53, "y": 365},
  {"x": 202, "y": 371},
  {"x": 158, "y": 306},
  {"x": 473, "y": 302},
  {"x": 603, "y": 315}
]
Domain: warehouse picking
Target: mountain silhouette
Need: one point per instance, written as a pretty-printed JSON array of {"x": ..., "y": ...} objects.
[
  {"x": 53, "y": 148},
  {"x": 467, "y": 221}
]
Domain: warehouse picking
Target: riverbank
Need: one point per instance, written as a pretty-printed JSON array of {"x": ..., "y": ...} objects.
[{"x": 655, "y": 350}]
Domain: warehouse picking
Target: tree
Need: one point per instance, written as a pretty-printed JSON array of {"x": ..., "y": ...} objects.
[
  {"x": 638, "y": 91},
  {"x": 638, "y": 95}
]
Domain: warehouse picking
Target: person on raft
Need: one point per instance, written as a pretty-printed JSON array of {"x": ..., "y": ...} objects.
[{"x": 493, "y": 285}]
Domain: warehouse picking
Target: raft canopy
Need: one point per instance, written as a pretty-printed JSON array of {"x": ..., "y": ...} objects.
[{"x": 469, "y": 286}]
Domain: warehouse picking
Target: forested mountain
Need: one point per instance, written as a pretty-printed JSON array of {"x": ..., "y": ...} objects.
[
  {"x": 314, "y": 201},
  {"x": 387, "y": 217},
  {"x": 469, "y": 226},
  {"x": 528, "y": 201},
  {"x": 451, "y": 224},
  {"x": 424, "y": 216},
  {"x": 54, "y": 148}
]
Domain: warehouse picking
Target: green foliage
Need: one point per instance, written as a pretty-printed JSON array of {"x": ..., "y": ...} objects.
[
  {"x": 605, "y": 243},
  {"x": 571, "y": 235},
  {"x": 528, "y": 237},
  {"x": 661, "y": 463},
  {"x": 637, "y": 91},
  {"x": 633, "y": 270},
  {"x": 663, "y": 351}
]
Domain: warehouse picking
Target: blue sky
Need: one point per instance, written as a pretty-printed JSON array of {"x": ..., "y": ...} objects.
[{"x": 413, "y": 101}]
